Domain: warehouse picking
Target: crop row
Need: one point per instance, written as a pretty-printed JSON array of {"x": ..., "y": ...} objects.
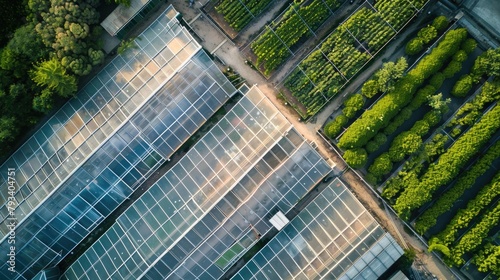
[
  {"x": 238, "y": 13},
  {"x": 272, "y": 47},
  {"x": 464, "y": 216},
  {"x": 449, "y": 164}
]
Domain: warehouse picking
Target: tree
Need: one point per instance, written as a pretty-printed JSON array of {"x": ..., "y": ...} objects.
[
  {"x": 125, "y": 3},
  {"x": 52, "y": 75},
  {"x": 460, "y": 56},
  {"x": 381, "y": 166},
  {"x": 440, "y": 23},
  {"x": 44, "y": 101},
  {"x": 415, "y": 46},
  {"x": 439, "y": 104},
  {"x": 389, "y": 73},
  {"x": 462, "y": 86},
  {"x": 370, "y": 88},
  {"x": 356, "y": 158}
]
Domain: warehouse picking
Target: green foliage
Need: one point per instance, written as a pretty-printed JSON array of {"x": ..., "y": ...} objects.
[
  {"x": 65, "y": 26},
  {"x": 125, "y": 3},
  {"x": 439, "y": 104},
  {"x": 10, "y": 18},
  {"x": 333, "y": 128},
  {"x": 381, "y": 166},
  {"x": 370, "y": 88},
  {"x": 452, "y": 68},
  {"x": 488, "y": 63},
  {"x": 404, "y": 145},
  {"x": 462, "y": 86},
  {"x": 487, "y": 259},
  {"x": 356, "y": 158},
  {"x": 380, "y": 139},
  {"x": 52, "y": 75},
  {"x": 472, "y": 110},
  {"x": 440, "y": 23},
  {"x": 466, "y": 180},
  {"x": 464, "y": 217},
  {"x": 353, "y": 104},
  {"x": 390, "y": 73},
  {"x": 449, "y": 164},
  {"x": 239, "y": 13},
  {"x": 433, "y": 117},
  {"x": 44, "y": 101},
  {"x": 421, "y": 97},
  {"x": 127, "y": 44},
  {"x": 387, "y": 107},
  {"x": 475, "y": 236},
  {"x": 427, "y": 34},
  {"x": 460, "y": 56},
  {"x": 404, "y": 115},
  {"x": 437, "y": 80},
  {"x": 414, "y": 46},
  {"x": 439, "y": 247},
  {"x": 420, "y": 128},
  {"x": 272, "y": 46},
  {"x": 371, "y": 147},
  {"x": 469, "y": 45}
]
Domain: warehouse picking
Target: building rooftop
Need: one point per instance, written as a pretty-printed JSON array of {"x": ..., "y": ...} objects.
[
  {"x": 333, "y": 237},
  {"x": 213, "y": 204}
]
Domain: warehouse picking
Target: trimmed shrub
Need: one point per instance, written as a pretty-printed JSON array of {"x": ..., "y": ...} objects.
[
  {"x": 381, "y": 166},
  {"x": 440, "y": 23},
  {"x": 469, "y": 45},
  {"x": 460, "y": 56},
  {"x": 432, "y": 118},
  {"x": 420, "y": 128},
  {"x": 403, "y": 145},
  {"x": 372, "y": 146},
  {"x": 333, "y": 128},
  {"x": 414, "y": 47},
  {"x": 427, "y": 34},
  {"x": 462, "y": 86},
  {"x": 452, "y": 68},
  {"x": 349, "y": 112},
  {"x": 370, "y": 88},
  {"x": 356, "y": 100},
  {"x": 380, "y": 139},
  {"x": 437, "y": 80},
  {"x": 356, "y": 158},
  {"x": 390, "y": 105}
]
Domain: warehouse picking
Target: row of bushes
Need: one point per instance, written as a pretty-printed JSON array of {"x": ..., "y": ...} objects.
[
  {"x": 412, "y": 168},
  {"x": 379, "y": 116},
  {"x": 464, "y": 216},
  {"x": 449, "y": 164},
  {"x": 426, "y": 35},
  {"x": 429, "y": 218}
]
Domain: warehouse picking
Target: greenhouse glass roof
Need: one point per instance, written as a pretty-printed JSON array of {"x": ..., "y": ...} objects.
[
  {"x": 333, "y": 237},
  {"x": 100, "y": 108},
  {"x": 248, "y": 165},
  {"x": 116, "y": 147}
]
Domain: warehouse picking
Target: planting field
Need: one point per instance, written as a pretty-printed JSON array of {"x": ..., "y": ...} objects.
[
  {"x": 333, "y": 63},
  {"x": 298, "y": 22},
  {"x": 238, "y": 13}
]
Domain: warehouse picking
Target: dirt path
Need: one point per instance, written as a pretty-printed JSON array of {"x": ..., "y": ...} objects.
[{"x": 217, "y": 44}]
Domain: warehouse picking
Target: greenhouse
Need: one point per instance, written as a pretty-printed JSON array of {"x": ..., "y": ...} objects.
[
  {"x": 333, "y": 237},
  {"x": 214, "y": 204},
  {"x": 101, "y": 145}
]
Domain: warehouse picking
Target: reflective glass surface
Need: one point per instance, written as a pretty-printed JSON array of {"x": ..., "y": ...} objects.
[{"x": 333, "y": 237}]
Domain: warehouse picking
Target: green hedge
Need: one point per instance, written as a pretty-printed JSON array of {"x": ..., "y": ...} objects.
[{"x": 368, "y": 125}]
